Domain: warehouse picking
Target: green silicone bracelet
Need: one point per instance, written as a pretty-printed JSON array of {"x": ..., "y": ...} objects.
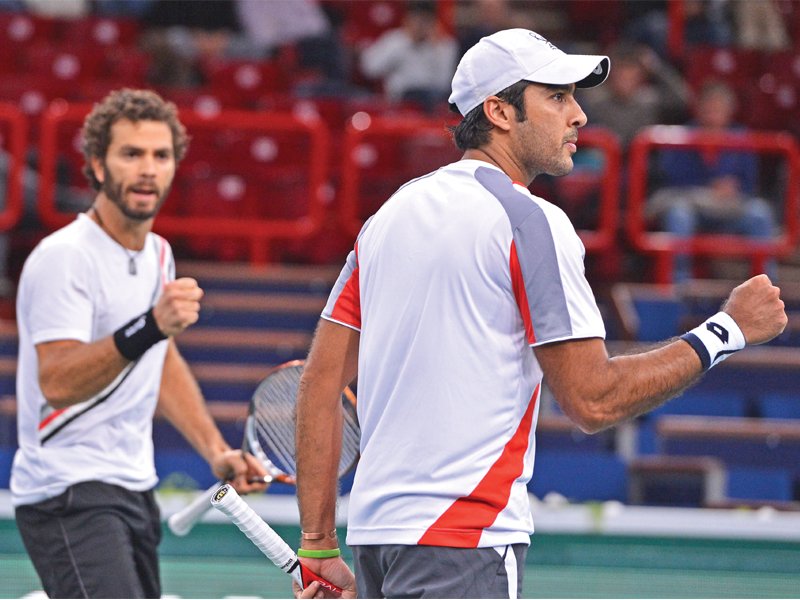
[{"x": 332, "y": 553}]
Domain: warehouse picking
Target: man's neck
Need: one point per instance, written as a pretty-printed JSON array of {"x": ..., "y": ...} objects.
[
  {"x": 501, "y": 161},
  {"x": 128, "y": 233}
]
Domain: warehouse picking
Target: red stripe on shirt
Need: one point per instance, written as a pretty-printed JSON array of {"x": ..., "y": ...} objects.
[
  {"x": 50, "y": 417},
  {"x": 162, "y": 260},
  {"x": 462, "y": 525},
  {"x": 518, "y": 284},
  {"x": 347, "y": 308}
]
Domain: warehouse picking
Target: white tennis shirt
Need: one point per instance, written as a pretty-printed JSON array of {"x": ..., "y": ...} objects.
[
  {"x": 451, "y": 283},
  {"x": 75, "y": 285}
]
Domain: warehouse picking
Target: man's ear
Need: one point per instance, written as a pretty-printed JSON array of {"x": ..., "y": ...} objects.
[
  {"x": 97, "y": 168},
  {"x": 498, "y": 112}
]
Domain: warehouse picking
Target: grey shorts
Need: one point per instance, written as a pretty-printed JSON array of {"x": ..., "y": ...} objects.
[
  {"x": 94, "y": 541},
  {"x": 397, "y": 571}
]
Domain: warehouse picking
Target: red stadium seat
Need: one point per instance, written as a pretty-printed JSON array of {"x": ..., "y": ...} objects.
[
  {"x": 200, "y": 100},
  {"x": 737, "y": 67},
  {"x": 775, "y": 97},
  {"x": 380, "y": 154},
  {"x": 31, "y": 94},
  {"x": 240, "y": 83},
  {"x": 274, "y": 164},
  {"x": 210, "y": 196},
  {"x": 367, "y": 20},
  {"x": 778, "y": 108},
  {"x": 279, "y": 193},
  {"x": 18, "y": 31},
  {"x": 99, "y": 32},
  {"x": 124, "y": 65},
  {"x": 64, "y": 67}
]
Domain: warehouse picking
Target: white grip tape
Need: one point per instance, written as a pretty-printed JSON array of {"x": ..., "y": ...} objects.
[
  {"x": 715, "y": 339},
  {"x": 182, "y": 521},
  {"x": 226, "y": 500}
]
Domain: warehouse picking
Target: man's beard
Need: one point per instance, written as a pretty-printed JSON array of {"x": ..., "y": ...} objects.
[
  {"x": 537, "y": 158},
  {"x": 113, "y": 192}
]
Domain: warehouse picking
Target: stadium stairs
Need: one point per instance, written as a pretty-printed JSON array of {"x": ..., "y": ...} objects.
[{"x": 734, "y": 439}]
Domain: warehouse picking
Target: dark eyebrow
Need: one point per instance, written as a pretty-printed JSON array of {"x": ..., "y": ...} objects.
[
  {"x": 560, "y": 87},
  {"x": 134, "y": 148}
]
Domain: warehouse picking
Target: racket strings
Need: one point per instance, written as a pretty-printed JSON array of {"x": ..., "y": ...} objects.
[
  {"x": 274, "y": 412},
  {"x": 275, "y": 417},
  {"x": 351, "y": 437}
]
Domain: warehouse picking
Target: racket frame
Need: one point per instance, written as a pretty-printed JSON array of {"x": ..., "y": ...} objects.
[{"x": 182, "y": 522}]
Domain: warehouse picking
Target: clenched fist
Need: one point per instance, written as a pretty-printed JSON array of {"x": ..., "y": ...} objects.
[
  {"x": 179, "y": 306},
  {"x": 758, "y": 310}
]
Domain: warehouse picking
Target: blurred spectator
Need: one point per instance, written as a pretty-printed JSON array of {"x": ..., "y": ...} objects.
[
  {"x": 122, "y": 8},
  {"x": 185, "y": 35},
  {"x": 482, "y": 18},
  {"x": 708, "y": 22},
  {"x": 416, "y": 61},
  {"x": 181, "y": 34},
  {"x": 711, "y": 192},
  {"x": 209, "y": 15},
  {"x": 760, "y": 26},
  {"x": 273, "y": 23},
  {"x": 62, "y": 9},
  {"x": 270, "y": 24},
  {"x": 642, "y": 90},
  {"x": 646, "y": 22}
]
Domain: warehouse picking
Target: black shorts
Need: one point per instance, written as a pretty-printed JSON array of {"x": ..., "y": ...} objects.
[
  {"x": 94, "y": 541},
  {"x": 397, "y": 571}
]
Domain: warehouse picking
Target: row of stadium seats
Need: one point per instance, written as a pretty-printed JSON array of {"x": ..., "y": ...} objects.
[
  {"x": 286, "y": 175},
  {"x": 80, "y": 59},
  {"x": 768, "y": 85}
]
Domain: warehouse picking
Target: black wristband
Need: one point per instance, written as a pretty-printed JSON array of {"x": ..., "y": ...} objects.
[
  {"x": 135, "y": 337},
  {"x": 699, "y": 347}
]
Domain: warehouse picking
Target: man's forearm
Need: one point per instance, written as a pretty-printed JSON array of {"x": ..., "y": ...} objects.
[
  {"x": 332, "y": 364},
  {"x": 319, "y": 433},
  {"x": 181, "y": 402}
]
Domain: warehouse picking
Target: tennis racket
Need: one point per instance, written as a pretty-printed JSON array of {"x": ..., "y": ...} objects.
[
  {"x": 269, "y": 435},
  {"x": 264, "y": 537}
]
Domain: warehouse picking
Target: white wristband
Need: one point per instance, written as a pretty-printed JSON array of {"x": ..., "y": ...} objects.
[{"x": 715, "y": 339}]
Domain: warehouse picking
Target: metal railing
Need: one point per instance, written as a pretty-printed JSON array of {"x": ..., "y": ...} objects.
[
  {"x": 663, "y": 245},
  {"x": 258, "y": 231},
  {"x": 13, "y": 121}
]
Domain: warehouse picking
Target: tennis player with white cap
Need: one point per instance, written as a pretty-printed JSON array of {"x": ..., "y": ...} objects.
[{"x": 464, "y": 291}]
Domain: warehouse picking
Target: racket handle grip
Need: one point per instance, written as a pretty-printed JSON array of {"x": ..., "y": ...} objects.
[
  {"x": 226, "y": 500},
  {"x": 185, "y": 519}
]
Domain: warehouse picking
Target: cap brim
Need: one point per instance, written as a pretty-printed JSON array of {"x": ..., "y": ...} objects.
[{"x": 584, "y": 70}]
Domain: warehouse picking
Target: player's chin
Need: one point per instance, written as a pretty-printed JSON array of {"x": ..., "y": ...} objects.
[{"x": 562, "y": 168}]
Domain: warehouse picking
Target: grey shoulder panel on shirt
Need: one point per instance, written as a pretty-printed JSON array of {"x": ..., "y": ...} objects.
[{"x": 536, "y": 251}]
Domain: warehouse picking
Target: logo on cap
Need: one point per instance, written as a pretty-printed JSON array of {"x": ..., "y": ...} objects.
[{"x": 542, "y": 39}]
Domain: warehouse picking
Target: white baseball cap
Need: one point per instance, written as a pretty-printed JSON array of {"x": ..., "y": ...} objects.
[{"x": 506, "y": 57}]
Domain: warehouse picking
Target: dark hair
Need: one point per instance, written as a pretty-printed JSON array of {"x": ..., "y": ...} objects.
[
  {"x": 474, "y": 129},
  {"x": 134, "y": 105}
]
